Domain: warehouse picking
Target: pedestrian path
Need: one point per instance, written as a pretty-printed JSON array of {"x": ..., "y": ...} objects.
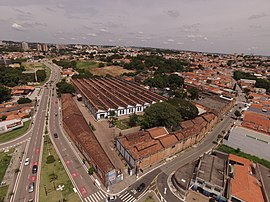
[
  {"x": 96, "y": 197},
  {"x": 127, "y": 197}
]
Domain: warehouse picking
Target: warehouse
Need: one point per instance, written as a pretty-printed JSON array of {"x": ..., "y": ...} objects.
[
  {"x": 104, "y": 95},
  {"x": 77, "y": 128}
]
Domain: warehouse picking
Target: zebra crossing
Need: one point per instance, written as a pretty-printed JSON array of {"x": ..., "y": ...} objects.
[
  {"x": 96, "y": 197},
  {"x": 127, "y": 197}
]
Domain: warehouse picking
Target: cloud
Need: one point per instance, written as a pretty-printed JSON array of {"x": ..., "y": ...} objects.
[
  {"x": 180, "y": 43},
  {"x": 103, "y": 30},
  {"x": 190, "y": 28},
  {"x": 170, "y": 40},
  {"x": 258, "y": 16},
  {"x": 92, "y": 34},
  {"x": 190, "y": 36},
  {"x": 17, "y": 27},
  {"x": 255, "y": 26},
  {"x": 173, "y": 13},
  {"x": 205, "y": 38}
]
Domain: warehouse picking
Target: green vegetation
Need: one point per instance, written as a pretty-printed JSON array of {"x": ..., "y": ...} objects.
[
  {"x": 86, "y": 65},
  {"x": 52, "y": 175},
  {"x": 169, "y": 114},
  {"x": 3, "y": 193},
  {"x": 163, "y": 65},
  {"x": 237, "y": 113},
  {"x": 64, "y": 87},
  {"x": 194, "y": 93},
  {"x": 162, "y": 81},
  {"x": 5, "y": 94},
  {"x": 260, "y": 83},
  {"x": 185, "y": 108},
  {"x": 161, "y": 114},
  {"x": 91, "y": 171},
  {"x": 23, "y": 100},
  {"x": 5, "y": 137},
  {"x": 133, "y": 121},
  {"x": 4, "y": 162},
  {"x": 149, "y": 199},
  {"x": 14, "y": 76},
  {"x": 66, "y": 63},
  {"x": 238, "y": 152}
]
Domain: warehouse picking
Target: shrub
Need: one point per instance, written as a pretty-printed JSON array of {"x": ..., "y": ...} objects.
[{"x": 50, "y": 159}]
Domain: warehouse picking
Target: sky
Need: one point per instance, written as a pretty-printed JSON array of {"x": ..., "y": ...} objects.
[{"x": 224, "y": 26}]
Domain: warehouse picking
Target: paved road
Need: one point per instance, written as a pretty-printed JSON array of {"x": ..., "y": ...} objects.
[
  {"x": 73, "y": 164},
  {"x": 33, "y": 151}
]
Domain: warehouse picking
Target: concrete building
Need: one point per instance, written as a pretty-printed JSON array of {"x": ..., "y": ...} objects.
[
  {"x": 44, "y": 47},
  {"x": 211, "y": 177},
  {"x": 78, "y": 130},
  {"x": 9, "y": 125},
  {"x": 25, "y": 46},
  {"x": 104, "y": 95},
  {"x": 39, "y": 48}
]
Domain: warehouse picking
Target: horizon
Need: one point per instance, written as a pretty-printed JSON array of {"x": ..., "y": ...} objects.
[{"x": 209, "y": 26}]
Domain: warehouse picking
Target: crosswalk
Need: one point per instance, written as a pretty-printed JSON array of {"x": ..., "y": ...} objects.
[
  {"x": 96, "y": 197},
  {"x": 127, "y": 197}
]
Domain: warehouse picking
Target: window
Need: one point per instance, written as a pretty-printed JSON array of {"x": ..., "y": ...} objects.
[
  {"x": 217, "y": 189},
  {"x": 173, "y": 146},
  {"x": 208, "y": 186}
]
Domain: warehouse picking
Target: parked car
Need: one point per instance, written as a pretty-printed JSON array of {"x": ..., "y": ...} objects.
[
  {"x": 27, "y": 161},
  {"x": 31, "y": 187},
  {"x": 140, "y": 187},
  {"x": 55, "y": 135},
  {"x": 34, "y": 169}
]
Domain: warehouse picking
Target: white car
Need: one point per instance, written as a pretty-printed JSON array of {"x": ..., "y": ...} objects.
[{"x": 26, "y": 162}]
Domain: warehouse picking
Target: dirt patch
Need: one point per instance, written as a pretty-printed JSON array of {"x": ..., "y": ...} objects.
[{"x": 111, "y": 70}]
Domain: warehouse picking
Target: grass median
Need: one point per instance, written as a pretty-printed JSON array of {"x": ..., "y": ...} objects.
[
  {"x": 53, "y": 174},
  {"x": 5, "y": 158},
  {"x": 5, "y": 137}
]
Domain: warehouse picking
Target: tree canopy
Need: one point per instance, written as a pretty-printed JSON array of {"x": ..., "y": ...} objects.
[
  {"x": 186, "y": 109},
  {"x": 161, "y": 114},
  {"x": 5, "y": 94},
  {"x": 163, "y": 81},
  {"x": 194, "y": 93},
  {"x": 23, "y": 100},
  {"x": 64, "y": 87}
]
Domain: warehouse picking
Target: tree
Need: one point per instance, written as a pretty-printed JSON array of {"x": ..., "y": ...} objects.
[
  {"x": 133, "y": 120},
  {"x": 3, "y": 118},
  {"x": 5, "y": 94},
  {"x": 237, "y": 113},
  {"x": 41, "y": 75},
  {"x": 91, "y": 170},
  {"x": 23, "y": 100},
  {"x": 194, "y": 93},
  {"x": 180, "y": 93},
  {"x": 64, "y": 87},
  {"x": 101, "y": 64},
  {"x": 186, "y": 109},
  {"x": 161, "y": 114}
]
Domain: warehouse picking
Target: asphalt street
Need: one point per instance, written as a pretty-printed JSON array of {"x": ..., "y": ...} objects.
[
  {"x": 33, "y": 151},
  {"x": 77, "y": 171}
]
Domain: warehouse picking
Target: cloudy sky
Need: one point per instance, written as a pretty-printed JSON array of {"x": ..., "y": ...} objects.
[{"x": 229, "y": 26}]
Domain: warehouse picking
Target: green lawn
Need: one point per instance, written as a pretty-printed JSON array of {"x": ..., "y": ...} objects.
[
  {"x": 86, "y": 64},
  {"x": 52, "y": 175},
  {"x": 30, "y": 66},
  {"x": 238, "y": 152},
  {"x": 4, "y": 162},
  {"x": 3, "y": 192},
  {"x": 5, "y": 137},
  {"x": 124, "y": 123}
]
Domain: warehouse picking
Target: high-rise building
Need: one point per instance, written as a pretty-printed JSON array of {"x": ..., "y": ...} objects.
[
  {"x": 44, "y": 47},
  {"x": 25, "y": 46},
  {"x": 39, "y": 48}
]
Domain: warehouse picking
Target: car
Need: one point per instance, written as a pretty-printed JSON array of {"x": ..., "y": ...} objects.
[
  {"x": 27, "y": 161},
  {"x": 110, "y": 198},
  {"x": 55, "y": 114},
  {"x": 30, "y": 200},
  {"x": 31, "y": 187},
  {"x": 55, "y": 135},
  {"x": 34, "y": 169},
  {"x": 140, "y": 187}
]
